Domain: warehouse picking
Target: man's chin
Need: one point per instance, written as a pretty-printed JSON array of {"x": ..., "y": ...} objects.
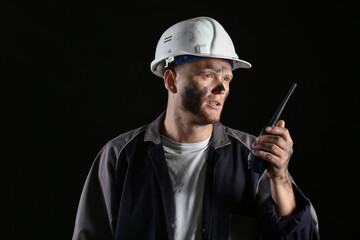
[
  {"x": 205, "y": 119},
  {"x": 213, "y": 117}
]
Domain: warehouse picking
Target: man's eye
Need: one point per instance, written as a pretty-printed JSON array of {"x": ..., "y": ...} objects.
[
  {"x": 227, "y": 79},
  {"x": 207, "y": 75}
]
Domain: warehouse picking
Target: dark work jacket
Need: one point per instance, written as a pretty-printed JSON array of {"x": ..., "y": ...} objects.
[{"x": 128, "y": 193}]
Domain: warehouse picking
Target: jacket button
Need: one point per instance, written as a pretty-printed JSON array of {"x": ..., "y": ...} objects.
[
  {"x": 173, "y": 226},
  {"x": 203, "y": 230}
]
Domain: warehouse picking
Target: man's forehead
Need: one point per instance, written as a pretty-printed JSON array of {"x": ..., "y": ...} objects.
[{"x": 215, "y": 64}]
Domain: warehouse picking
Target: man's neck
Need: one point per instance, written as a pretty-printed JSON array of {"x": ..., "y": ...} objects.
[{"x": 185, "y": 131}]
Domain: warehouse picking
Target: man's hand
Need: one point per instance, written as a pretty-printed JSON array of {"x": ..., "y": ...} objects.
[{"x": 277, "y": 150}]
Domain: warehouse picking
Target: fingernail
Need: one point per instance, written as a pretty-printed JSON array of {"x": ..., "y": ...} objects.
[{"x": 268, "y": 128}]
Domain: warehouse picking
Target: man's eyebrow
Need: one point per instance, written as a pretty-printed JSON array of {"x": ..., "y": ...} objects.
[{"x": 215, "y": 69}]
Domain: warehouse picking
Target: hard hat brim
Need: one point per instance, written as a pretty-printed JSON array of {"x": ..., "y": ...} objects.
[{"x": 157, "y": 66}]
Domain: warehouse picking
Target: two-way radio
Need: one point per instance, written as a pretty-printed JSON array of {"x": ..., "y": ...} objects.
[{"x": 257, "y": 164}]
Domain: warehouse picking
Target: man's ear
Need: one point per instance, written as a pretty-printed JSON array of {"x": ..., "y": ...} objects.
[{"x": 170, "y": 80}]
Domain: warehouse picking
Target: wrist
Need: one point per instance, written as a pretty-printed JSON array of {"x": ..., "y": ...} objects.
[
  {"x": 279, "y": 177},
  {"x": 282, "y": 193}
]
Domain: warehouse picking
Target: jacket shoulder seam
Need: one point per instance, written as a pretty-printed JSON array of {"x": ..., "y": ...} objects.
[
  {"x": 245, "y": 138},
  {"x": 122, "y": 140}
]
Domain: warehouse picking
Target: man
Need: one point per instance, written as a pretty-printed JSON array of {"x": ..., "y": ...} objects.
[{"x": 185, "y": 176}]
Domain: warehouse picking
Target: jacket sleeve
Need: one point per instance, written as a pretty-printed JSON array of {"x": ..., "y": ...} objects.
[
  {"x": 97, "y": 210},
  {"x": 301, "y": 225}
]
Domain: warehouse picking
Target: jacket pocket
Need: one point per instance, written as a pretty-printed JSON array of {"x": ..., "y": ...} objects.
[{"x": 243, "y": 228}]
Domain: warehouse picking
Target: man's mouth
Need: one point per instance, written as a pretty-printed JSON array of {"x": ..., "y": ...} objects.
[{"x": 214, "y": 104}]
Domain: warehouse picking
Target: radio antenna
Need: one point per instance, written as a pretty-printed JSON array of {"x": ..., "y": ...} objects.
[{"x": 278, "y": 112}]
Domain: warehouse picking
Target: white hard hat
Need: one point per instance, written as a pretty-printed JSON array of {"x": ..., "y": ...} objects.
[{"x": 202, "y": 37}]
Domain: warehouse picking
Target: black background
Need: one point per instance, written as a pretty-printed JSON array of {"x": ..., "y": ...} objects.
[{"x": 77, "y": 74}]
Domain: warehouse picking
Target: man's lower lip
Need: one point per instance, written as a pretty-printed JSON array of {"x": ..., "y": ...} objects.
[{"x": 213, "y": 106}]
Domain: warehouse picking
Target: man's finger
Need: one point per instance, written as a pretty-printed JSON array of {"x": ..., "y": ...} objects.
[
  {"x": 268, "y": 156},
  {"x": 273, "y": 139},
  {"x": 268, "y": 147},
  {"x": 281, "y": 131},
  {"x": 280, "y": 123}
]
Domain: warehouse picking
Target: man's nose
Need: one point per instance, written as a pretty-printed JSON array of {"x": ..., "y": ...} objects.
[{"x": 219, "y": 89}]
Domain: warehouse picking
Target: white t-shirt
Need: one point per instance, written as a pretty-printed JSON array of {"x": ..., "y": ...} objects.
[{"x": 187, "y": 168}]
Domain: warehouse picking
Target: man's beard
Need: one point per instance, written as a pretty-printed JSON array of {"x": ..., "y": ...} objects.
[{"x": 191, "y": 100}]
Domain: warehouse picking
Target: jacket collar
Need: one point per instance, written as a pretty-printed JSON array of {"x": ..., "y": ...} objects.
[{"x": 219, "y": 137}]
